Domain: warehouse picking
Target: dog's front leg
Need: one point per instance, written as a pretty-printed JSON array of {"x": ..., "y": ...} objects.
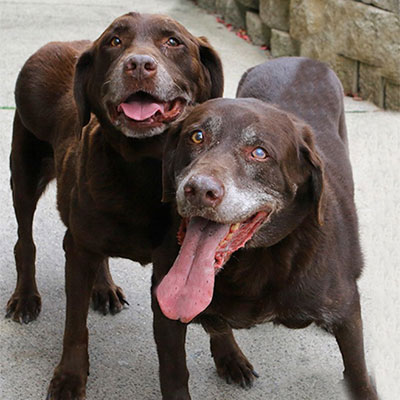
[
  {"x": 70, "y": 376},
  {"x": 232, "y": 365},
  {"x": 349, "y": 336},
  {"x": 170, "y": 340}
]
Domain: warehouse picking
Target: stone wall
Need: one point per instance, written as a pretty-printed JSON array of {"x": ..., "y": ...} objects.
[{"x": 360, "y": 40}]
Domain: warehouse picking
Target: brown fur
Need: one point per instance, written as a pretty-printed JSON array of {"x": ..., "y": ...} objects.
[
  {"x": 302, "y": 264},
  {"x": 108, "y": 184}
]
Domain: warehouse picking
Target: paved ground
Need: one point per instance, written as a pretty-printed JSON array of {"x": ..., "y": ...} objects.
[{"x": 293, "y": 365}]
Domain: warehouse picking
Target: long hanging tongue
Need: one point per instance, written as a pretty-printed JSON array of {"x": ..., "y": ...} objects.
[
  {"x": 141, "y": 110},
  {"x": 188, "y": 287}
]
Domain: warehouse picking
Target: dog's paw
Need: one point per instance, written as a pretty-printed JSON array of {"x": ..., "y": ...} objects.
[
  {"x": 24, "y": 308},
  {"x": 65, "y": 386},
  {"x": 236, "y": 368},
  {"x": 108, "y": 299}
]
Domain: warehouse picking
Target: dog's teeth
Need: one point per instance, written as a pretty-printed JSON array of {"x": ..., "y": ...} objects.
[{"x": 235, "y": 227}]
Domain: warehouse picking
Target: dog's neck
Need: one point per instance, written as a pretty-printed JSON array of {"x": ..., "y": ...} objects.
[
  {"x": 283, "y": 223},
  {"x": 130, "y": 149},
  {"x": 272, "y": 266}
]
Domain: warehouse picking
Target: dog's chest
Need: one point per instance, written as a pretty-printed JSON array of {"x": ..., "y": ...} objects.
[
  {"x": 243, "y": 313},
  {"x": 118, "y": 211},
  {"x": 246, "y": 306}
]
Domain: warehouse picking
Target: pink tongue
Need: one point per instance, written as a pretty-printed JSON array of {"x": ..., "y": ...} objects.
[
  {"x": 141, "y": 110},
  {"x": 188, "y": 287}
]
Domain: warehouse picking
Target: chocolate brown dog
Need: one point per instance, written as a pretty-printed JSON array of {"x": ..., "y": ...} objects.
[
  {"x": 264, "y": 186},
  {"x": 93, "y": 115}
]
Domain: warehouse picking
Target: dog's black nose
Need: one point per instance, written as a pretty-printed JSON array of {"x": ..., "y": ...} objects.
[
  {"x": 140, "y": 66},
  {"x": 204, "y": 191}
]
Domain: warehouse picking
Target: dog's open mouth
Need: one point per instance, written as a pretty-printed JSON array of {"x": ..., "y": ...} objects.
[
  {"x": 188, "y": 287},
  {"x": 144, "y": 109}
]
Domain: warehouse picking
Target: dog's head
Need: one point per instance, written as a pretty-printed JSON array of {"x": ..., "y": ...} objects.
[
  {"x": 243, "y": 173},
  {"x": 142, "y": 73}
]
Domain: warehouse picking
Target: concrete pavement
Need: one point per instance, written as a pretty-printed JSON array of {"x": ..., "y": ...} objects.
[{"x": 293, "y": 365}]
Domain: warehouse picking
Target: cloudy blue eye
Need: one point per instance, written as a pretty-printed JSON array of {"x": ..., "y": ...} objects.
[
  {"x": 197, "y": 137},
  {"x": 259, "y": 153}
]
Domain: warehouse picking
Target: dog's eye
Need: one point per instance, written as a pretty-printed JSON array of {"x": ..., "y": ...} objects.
[
  {"x": 173, "y": 42},
  {"x": 197, "y": 137},
  {"x": 259, "y": 153},
  {"x": 115, "y": 41}
]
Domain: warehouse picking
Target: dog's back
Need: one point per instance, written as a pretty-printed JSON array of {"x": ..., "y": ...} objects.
[
  {"x": 43, "y": 92},
  {"x": 304, "y": 87}
]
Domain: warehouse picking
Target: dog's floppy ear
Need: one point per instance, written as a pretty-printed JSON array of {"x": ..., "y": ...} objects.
[
  {"x": 210, "y": 59},
  {"x": 310, "y": 153},
  {"x": 81, "y": 78},
  {"x": 168, "y": 175}
]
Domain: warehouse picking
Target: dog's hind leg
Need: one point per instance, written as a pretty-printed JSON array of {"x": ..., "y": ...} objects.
[
  {"x": 349, "y": 336},
  {"x": 32, "y": 168},
  {"x": 232, "y": 365}
]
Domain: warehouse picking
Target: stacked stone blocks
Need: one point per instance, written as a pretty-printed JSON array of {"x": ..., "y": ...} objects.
[{"x": 360, "y": 40}]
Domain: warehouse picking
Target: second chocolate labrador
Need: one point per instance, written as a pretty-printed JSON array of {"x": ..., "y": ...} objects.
[{"x": 267, "y": 223}]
